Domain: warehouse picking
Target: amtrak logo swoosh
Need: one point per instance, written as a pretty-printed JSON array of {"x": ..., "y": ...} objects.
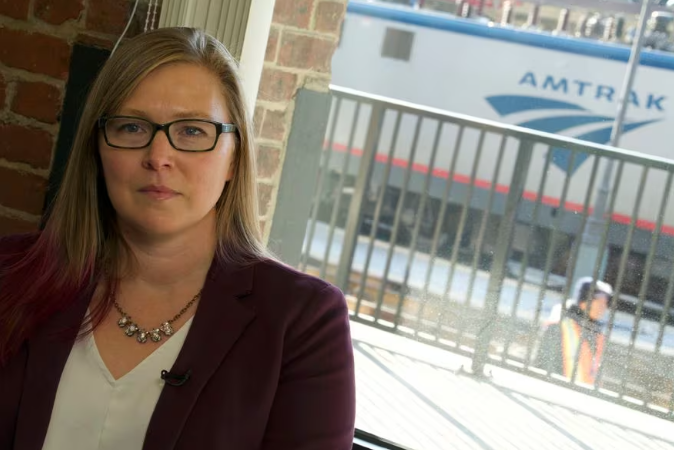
[
  {"x": 506, "y": 105},
  {"x": 510, "y": 104}
]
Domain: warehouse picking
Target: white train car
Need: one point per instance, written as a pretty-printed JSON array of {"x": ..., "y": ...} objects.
[{"x": 550, "y": 83}]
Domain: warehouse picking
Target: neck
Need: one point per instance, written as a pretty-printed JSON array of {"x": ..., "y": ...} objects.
[{"x": 165, "y": 261}]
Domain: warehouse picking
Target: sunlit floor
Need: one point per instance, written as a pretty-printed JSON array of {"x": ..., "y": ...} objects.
[{"x": 413, "y": 394}]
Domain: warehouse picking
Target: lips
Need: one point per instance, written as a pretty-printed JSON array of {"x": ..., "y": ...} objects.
[
  {"x": 158, "y": 189},
  {"x": 159, "y": 192}
]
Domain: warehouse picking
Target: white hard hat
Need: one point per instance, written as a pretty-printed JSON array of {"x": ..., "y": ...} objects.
[{"x": 584, "y": 287}]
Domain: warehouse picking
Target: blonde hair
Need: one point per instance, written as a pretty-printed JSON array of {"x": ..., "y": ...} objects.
[{"x": 82, "y": 218}]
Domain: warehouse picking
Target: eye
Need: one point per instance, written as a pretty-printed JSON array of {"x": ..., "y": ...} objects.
[
  {"x": 191, "y": 130},
  {"x": 130, "y": 128}
]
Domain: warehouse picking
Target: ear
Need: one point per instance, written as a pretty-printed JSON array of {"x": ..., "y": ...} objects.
[
  {"x": 230, "y": 172},
  {"x": 233, "y": 160}
]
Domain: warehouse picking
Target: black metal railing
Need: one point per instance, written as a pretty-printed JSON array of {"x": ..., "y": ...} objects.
[{"x": 466, "y": 234}]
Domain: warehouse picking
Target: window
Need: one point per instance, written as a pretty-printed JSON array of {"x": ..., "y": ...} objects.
[
  {"x": 459, "y": 249},
  {"x": 397, "y": 44}
]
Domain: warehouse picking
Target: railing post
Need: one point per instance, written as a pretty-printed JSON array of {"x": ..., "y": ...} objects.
[
  {"x": 498, "y": 267},
  {"x": 355, "y": 216}
]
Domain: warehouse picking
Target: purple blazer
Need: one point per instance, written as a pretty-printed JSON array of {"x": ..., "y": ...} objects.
[{"x": 271, "y": 364}]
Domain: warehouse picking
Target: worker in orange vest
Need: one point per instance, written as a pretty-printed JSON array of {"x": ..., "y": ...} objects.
[{"x": 577, "y": 329}]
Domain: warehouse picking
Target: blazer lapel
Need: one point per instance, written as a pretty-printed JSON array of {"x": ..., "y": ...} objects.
[
  {"x": 218, "y": 323},
  {"x": 48, "y": 351}
]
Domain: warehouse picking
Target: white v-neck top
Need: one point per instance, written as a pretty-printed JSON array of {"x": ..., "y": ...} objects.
[{"x": 93, "y": 411}]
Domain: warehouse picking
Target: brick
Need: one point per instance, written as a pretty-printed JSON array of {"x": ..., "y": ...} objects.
[
  {"x": 274, "y": 125},
  {"x": 295, "y": 13},
  {"x": 10, "y": 225},
  {"x": 277, "y": 85},
  {"x": 58, "y": 11},
  {"x": 257, "y": 120},
  {"x": 272, "y": 45},
  {"x": 264, "y": 194},
  {"x": 329, "y": 17},
  {"x": 94, "y": 41},
  {"x": 305, "y": 52},
  {"x": 22, "y": 191},
  {"x": 35, "y": 52},
  {"x": 3, "y": 92},
  {"x": 26, "y": 145},
  {"x": 318, "y": 83},
  {"x": 111, "y": 16},
  {"x": 268, "y": 161},
  {"x": 40, "y": 101},
  {"x": 16, "y": 9}
]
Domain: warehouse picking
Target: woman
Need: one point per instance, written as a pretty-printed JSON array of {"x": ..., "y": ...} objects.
[
  {"x": 577, "y": 329},
  {"x": 147, "y": 314}
]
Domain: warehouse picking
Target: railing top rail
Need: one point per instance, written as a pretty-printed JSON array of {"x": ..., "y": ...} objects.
[{"x": 513, "y": 131}]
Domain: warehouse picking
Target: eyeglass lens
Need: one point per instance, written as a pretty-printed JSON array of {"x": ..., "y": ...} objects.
[{"x": 192, "y": 135}]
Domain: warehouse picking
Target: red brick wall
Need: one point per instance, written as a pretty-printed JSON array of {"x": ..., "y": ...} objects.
[
  {"x": 302, "y": 40},
  {"x": 36, "y": 38}
]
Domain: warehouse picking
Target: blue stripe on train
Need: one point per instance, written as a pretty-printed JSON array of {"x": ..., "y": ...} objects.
[{"x": 577, "y": 46}]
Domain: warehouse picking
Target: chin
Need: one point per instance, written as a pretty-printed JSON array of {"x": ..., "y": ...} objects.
[
  {"x": 153, "y": 226},
  {"x": 160, "y": 229},
  {"x": 153, "y": 223}
]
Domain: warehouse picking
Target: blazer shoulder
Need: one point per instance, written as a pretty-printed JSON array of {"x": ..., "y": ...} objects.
[
  {"x": 282, "y": 275},
  {"x": 293, "y": 288}
]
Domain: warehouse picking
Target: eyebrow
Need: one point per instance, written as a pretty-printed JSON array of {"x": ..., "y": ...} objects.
[{"x": 191, "y": 114}]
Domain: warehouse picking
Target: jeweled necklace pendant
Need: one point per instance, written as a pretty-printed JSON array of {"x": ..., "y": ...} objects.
[
  {"x": 155, "y": 335},
  {"x": 166, "y": 328},
  {"x": 131, "y": 329},
  {"x": 142, "y": 336}
]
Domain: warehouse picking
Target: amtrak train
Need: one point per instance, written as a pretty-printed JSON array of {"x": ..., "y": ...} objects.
[{"x": 546, "y": 82}]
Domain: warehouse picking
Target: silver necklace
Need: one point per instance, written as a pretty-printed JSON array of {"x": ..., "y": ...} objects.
[{"x": 131, "y": 328}]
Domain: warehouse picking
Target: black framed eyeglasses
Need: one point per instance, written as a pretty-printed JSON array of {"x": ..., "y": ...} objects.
[{"x": 186, "y": 135}]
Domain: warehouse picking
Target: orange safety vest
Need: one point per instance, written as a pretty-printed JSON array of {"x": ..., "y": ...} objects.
[{"x": 588, "y": 364}]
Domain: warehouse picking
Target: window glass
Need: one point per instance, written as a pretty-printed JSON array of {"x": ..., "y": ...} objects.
[
  {"x": 397, "y": 44},
  {"x": 502, "y": 227}
]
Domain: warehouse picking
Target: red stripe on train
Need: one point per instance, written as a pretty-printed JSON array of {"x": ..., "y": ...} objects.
[{"x": 503, "y": 189}]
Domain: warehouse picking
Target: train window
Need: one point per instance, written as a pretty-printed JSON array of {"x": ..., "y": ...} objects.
[{"x": 397, "y": 44}]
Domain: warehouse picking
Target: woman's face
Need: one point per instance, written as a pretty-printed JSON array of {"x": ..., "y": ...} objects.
[{"x": 158, "y": 190}]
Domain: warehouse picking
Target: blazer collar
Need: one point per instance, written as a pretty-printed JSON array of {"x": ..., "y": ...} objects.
[{"x": 220, "y": 320}]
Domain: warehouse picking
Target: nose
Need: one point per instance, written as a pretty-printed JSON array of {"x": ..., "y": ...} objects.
[{"x": 159, "y": 154}]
